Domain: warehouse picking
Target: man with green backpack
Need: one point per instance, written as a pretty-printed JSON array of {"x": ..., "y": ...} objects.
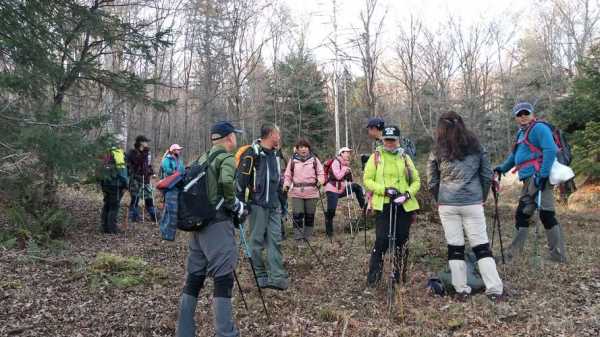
[{"x": 213, "y": 250}]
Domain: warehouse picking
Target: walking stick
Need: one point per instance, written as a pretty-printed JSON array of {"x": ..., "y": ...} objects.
[
  {"x": 536, "y": 245},
  {"x": 496, "y": 218},
  {"x": 155, "y": 207},
  {"x": 241, "y": 291},
  {"x": 143, "y": 199},
  {"x": 392, "y": 254},
  {"x": 365, "y": 228},
  {"x": 324, "y": 212},
  {"x": 297, "y": 227},
  {"x": 247, "y": 251},
  {"x": 349, "y": 206}
]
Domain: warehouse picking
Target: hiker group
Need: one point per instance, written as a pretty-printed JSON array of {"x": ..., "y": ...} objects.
[{"x": 223, "y": 188}]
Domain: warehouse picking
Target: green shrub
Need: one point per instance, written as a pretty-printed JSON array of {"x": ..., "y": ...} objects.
[{"x": 586, "y": 151}]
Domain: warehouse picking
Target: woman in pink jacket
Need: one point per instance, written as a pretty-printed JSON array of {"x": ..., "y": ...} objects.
[
  {"x": 339, "y": 184},
  {"x": 303, "y": 177}
]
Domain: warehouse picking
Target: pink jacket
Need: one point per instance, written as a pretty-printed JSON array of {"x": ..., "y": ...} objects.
[
  {"x": 304, "y": 178},
  {"x": 339, "y": 168}
]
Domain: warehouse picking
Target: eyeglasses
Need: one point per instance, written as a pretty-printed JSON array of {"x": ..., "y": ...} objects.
[{"x": 523, "y": 113}]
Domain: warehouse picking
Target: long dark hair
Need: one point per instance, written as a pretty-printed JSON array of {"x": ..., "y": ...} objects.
[{"x": 454, "y": 141}]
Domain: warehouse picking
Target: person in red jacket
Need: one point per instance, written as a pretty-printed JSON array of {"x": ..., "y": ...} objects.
[
  {"x": 303, "y": 178},
  {"x": 340, "y": 184}
]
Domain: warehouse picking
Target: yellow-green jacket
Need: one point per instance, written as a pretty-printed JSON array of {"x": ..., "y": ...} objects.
[{"x": 391, "y": 171}]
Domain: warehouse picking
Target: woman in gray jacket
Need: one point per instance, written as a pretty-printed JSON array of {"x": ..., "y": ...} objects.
[{"x": 460, "y": 176}]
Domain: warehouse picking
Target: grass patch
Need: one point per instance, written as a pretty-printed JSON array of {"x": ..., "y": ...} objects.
[
  {"x": 110, "y": 270},
  {"x": 329, "y": 315}
]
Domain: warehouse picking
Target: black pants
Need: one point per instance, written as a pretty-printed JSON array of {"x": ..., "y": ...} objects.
[
  {"x": 332, "y": 197},
  {"x": 382, "y": 231},
  {"x": 332, "y": 201},
  {"x": 110, "y": 210}
]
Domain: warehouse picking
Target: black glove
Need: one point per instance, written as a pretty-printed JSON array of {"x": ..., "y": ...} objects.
[
  {"x": 391, "y": 192},
  {"x": 240, "y": 212},
  {"x": 498, "y": 170},
  {"x": 348, "y": 176}
]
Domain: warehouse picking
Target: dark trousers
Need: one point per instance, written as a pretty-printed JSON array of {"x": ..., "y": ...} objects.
[
  {"x": 332, "y": 202},
  {"x": 110, "y": 210},
  {"x": 403, "y": 220}
]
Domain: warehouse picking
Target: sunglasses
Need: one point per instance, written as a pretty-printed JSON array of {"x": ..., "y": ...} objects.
[{"x": 523, "y": 113}]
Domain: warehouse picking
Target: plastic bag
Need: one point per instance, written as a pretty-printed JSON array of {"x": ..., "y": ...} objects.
[{"x": 560, "y": 173}]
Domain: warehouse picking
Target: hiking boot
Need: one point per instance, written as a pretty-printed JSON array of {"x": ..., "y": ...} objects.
[
  {"x": 113, "y": 232},
  {"x": 496, "y": 298},
  {"x": 329, "y": 223},
  {"x": 375, "y": 273},
  {"x": 309, "y": 226},
  {"x": 134, "y": 214},
  {"x": 298, "y": 219},
  {"x": 152, "y": 213},
  {"x": 518, "y": 243},
  {"x": 556, "y": 244},
  {"x": 462, "y": 296},
  {"x": 262, "y": 281},
  {"x": 278, "y": 284}
]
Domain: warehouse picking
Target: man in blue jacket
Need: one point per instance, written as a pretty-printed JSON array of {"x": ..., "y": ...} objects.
[{"x": 532, "y": 157}]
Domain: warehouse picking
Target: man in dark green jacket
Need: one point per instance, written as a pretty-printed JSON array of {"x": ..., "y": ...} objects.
[{"x": 212, "y": 250}]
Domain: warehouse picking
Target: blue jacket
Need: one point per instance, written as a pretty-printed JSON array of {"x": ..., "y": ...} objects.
[
  {"x": 170, "y": 164},
  {"x": 541, "y": 137}
]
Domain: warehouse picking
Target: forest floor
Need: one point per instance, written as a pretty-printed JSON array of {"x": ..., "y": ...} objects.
[{"x": 71, "y": 289}]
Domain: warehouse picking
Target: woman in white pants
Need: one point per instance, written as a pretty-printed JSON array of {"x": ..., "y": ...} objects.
[{"x": 459, "y": 177}]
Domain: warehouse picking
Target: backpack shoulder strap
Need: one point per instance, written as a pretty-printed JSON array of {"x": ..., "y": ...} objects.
[{"x": 376, "y": 158}]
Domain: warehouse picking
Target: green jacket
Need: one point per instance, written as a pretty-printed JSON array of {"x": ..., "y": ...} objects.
[
  {"x": 220, "y": 177},
  {"x": 391, "y": 171}
]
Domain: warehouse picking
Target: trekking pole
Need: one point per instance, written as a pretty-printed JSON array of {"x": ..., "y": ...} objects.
[
  {"x": 324, "y": 213},
  {"x": 365, "y": 229},
  {"x": 392, "y": 254},
  {"x": 348, "y": 193},
  {"x": 496, "y": 218},
  {"x": 143, "y": 200},
  {"x": 297, "y": 227},
  {"x": 241, "y": 291},
  {"x": 155, "y": 207},
  {"x": 536, "y": 248},
  {"x": 247, "y": 251}
]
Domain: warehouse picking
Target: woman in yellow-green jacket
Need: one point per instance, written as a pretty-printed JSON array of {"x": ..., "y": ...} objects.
[{"x": 393, "y": 180}]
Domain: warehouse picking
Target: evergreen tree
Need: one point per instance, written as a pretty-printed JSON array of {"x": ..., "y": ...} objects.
[
  {"x": 300, "y": 94},
  {"x": 579, "y": 115},
  {"x": 47, "y": 49}
]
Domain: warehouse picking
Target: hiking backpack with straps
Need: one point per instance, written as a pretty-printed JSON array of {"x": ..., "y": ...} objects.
[
  {"x": 110, "y": 163},
  {"x": 327, "y": 171},
  {"x": 563, "y": 156},
  {"x": 195, "y": 209}
]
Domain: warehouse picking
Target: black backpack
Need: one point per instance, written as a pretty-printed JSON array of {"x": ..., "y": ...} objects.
[{"x": 194, "y": 209}]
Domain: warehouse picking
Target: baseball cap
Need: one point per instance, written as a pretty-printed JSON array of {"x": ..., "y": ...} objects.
[
  {"x": 391, "y": 132},
  {"x": 344, "y": 149},
  {"x": 175, "y": 147},
  {"x": 222, "y": 129},
  {"x": 522, "y": 106},
  {"x": 376, "y": 122}
]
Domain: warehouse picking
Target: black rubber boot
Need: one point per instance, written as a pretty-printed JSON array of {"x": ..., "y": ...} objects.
[
  {"x": 329, "y": 222},
  {"x": 375, "y": 268}
]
